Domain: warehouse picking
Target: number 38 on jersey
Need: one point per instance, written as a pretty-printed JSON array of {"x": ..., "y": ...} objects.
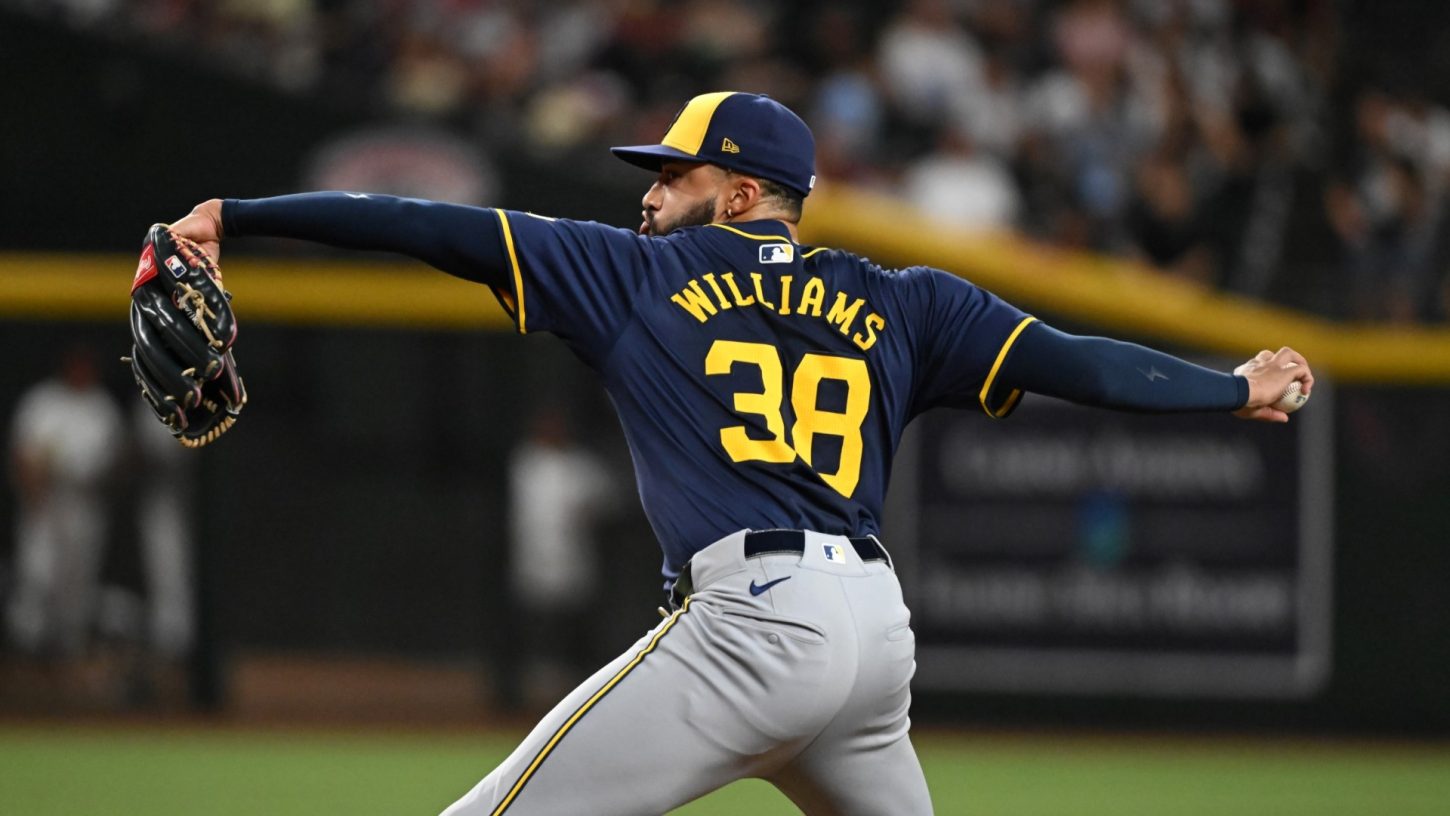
[{"x": 810, "y": 420}]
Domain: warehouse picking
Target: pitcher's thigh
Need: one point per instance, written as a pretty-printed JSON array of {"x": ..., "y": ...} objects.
[
  {"x": 618, "y": 744},
  {"x": 884, "y": 781}
]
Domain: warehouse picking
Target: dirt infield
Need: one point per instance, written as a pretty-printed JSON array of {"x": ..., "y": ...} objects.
[{"x": 259, "y": 688}]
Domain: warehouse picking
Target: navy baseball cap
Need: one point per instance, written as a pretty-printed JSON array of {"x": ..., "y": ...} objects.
[{"x": 748, "y": 133}]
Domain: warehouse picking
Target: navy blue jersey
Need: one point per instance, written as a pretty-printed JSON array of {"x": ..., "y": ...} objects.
[{"x": 760, "y": 383}]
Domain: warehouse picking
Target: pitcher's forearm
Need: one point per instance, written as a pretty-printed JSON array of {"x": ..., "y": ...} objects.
[
  {"x": 1113, "y": 374},
  {"x": 460, "y": 240}
]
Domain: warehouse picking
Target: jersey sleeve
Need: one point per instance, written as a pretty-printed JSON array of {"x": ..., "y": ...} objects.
[
  {"x": 574, "y": 279},
  {"x": 964, "y": 337}
]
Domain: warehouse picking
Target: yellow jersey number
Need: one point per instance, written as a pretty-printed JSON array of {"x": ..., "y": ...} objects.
[{"x": 810, "y": 420}]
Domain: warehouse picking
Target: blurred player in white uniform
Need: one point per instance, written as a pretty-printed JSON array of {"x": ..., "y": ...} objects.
[
  {"x": 558, "y": 492},
  {"x": 65, "y": 438}
]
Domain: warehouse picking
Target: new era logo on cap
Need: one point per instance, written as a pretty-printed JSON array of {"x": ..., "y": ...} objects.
[{"x": 728, "y": 146}]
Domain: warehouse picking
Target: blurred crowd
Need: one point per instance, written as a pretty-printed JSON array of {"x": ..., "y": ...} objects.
[{"x": 1178, "y": 132}]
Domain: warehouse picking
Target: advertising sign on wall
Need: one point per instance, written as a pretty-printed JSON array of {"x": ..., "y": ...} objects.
[{"x": 1073, "y": 550}]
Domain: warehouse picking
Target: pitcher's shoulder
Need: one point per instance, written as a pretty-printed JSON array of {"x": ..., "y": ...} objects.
[{"x": 830, "y": 259}]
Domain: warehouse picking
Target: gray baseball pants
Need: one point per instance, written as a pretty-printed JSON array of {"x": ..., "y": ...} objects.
[{"x": 793, "y": 668}]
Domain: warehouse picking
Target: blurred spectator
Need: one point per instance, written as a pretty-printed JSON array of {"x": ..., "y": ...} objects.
[
  {"x": 1165, "y": 222},
  {"x": 994, "y": 115},
  {"x": 64, "y": 440},
  {"x": 847, "y": 110},
  {"x": 165, "y": 475},
  {"x": 558, "y": 492},
  {"x": 961, "y": 186},
  {"x": 929, "y": 62},
  {"x": 1097, "y": 114},
  {"x": 1387, "y": 215},
  {"x": 427, "y": 78},
  {"x": 574, "y": 111},
  {"x": 1387, "y": 226}
]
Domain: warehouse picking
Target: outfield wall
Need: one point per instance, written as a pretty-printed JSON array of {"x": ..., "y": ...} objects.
[{"x": 359, "y": 506}]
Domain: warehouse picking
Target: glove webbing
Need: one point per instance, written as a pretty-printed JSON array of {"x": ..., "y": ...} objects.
[{"x": 196, "y": 301}]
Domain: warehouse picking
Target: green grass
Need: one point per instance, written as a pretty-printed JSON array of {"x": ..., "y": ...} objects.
[{"x": 121, "y": 772}]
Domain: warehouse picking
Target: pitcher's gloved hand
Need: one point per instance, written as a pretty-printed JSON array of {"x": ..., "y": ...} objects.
[{"x": 182, "y": 331}]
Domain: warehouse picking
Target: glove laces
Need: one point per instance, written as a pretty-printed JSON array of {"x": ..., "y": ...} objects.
[{"x": 196, "y": 303}]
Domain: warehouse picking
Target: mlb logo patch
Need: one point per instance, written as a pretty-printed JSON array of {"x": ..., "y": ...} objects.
[
  {"x": 834, "y": 553},
  {"x": 175, "y": 265},
  {"x": 777, "y": 253}
]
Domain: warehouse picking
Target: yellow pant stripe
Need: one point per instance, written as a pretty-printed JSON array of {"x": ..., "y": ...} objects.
[
  {"x": 584, "y": 709},
  {"x": 1013, "y": 397}
]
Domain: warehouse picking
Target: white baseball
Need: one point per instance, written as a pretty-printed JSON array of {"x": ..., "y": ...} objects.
[{"x": 1294, "y": 396}]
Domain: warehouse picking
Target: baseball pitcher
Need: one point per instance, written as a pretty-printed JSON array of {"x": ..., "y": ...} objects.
[{"x": 763, "y": 386}]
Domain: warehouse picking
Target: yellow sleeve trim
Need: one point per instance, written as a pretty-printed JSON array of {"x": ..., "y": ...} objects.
[
  {"x": 508, "y": 242},
  {"x": 814, "y": 251},
  {"x": 744, "y": 234},
  {"x": 1016, "y": 395}
]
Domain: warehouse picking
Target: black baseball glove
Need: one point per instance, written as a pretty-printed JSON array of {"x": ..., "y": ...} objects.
[{"x": 182, "y": 330}]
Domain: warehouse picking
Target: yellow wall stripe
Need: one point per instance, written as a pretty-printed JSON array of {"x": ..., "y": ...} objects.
[
  {"x": 291, "y": 291},
  {"x": 584, "y": 709},
  {"x": 688, "y": 131},
  {"x": 992, "y": 375},
  {"x": 1123, "y": 297},
  {"x": 508, "y": 242}
]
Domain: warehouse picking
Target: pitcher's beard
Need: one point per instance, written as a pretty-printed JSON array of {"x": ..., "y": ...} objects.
[{"x": 697, "y": 216}]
